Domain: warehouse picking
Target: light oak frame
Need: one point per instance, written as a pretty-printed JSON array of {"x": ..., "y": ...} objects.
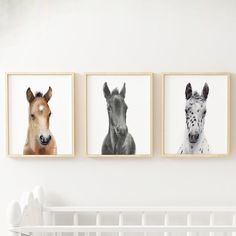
[
  {"x": 163, "y": 153},
  {"x": 151, "y": 112},
  {"x": 8, "y": 74}
]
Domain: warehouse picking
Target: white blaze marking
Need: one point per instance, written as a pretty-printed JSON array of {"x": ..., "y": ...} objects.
[{"x": 41, "y": 108}]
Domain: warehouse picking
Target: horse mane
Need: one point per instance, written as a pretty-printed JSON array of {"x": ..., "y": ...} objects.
[
  {"x": 197, "y": 96},
  {"x": 38, "y": 94},
  {"x": 115, "y": 92}
]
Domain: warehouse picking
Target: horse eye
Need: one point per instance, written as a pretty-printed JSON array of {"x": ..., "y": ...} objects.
[
  {"x": 32, "y": 116},
  {"x": 109, "y": 108},
  {"x": 49, "y": 114}
]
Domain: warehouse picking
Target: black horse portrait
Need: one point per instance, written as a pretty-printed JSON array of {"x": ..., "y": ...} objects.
[{"x": 118, "y": 140}]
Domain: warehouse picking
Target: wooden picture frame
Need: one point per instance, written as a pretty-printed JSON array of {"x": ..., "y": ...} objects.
[
  {"x": 59, "y": 77},
  {"x": 107, "y": 75},
  {"x": 196, "y": 75}
]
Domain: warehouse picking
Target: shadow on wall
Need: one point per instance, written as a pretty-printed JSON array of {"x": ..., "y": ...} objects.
[{"x": 21, "y": 10}]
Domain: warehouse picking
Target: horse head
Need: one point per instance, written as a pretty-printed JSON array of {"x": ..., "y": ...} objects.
[
  {"x": 195, "y": 111},
  {"x": 39, "y": 115},
  {"x": 116, "y": 108}
]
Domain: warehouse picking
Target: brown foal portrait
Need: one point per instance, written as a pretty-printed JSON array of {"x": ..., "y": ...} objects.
[{"x": 40, "y": 140}]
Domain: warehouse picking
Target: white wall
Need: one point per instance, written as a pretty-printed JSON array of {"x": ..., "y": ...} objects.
[{"x": 126, "y": 35}]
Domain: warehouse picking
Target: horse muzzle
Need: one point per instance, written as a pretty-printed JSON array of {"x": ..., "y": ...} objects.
[
  {"x": 193, "y": 138},
  {"x": 45, "y": 140}
]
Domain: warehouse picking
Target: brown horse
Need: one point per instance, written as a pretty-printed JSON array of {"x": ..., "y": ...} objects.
[{"x": 40, "y": 140}]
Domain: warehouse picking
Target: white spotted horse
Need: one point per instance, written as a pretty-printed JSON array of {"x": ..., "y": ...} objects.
[
  {"x": 118, "y": 140},
  {"x": 195, "y": 141}
]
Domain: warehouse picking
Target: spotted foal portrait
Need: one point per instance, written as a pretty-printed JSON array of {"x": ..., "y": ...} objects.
[
  {"x": 195, "y": 141},
  {"x": 118, "y": 140},
  {"x": 40, "y": 140}
]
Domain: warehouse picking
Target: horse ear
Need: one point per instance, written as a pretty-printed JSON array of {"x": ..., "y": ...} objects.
[
  {"x": 188, "y": 91},
  {"x": 123, "y": 91},
  {"x": 29, "y": 95},
  {"x": 48, "y": 94},
  {"x": 205, "y": 91},
  {"x": 106, "y": 90}
]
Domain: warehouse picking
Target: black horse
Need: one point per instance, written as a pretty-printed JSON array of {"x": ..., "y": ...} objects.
[{"x": 118, "y": 140}]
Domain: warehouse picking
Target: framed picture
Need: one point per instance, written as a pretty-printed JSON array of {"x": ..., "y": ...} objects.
[
  {"x": 119, "y": 114},
  {"x": 40, "y": 114},
  {"x": 196, "y": 115}
]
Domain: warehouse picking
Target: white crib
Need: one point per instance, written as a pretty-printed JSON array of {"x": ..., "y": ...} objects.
[{"x": 29, "y": 216}]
